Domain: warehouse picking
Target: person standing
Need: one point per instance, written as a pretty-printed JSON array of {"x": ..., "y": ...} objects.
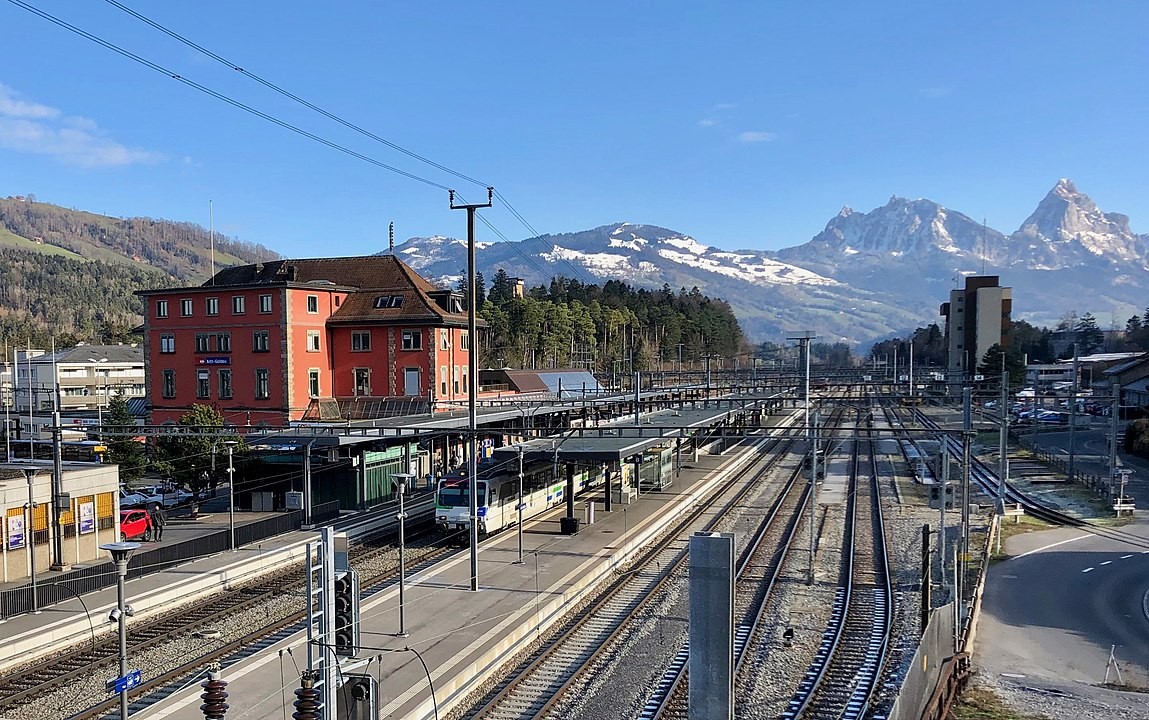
[{"x": 159, "y": 520}]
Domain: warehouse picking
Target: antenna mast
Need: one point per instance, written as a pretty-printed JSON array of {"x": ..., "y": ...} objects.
[
  {"x": 983, "y": 249},
  {"x": 391, "y": 238},
  {"x": 211, "y": 237}
]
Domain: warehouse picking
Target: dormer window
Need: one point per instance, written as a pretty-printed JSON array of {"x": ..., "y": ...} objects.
[
  {"x": 456, "y": 304},
  {"x": 388, "y": 301}
]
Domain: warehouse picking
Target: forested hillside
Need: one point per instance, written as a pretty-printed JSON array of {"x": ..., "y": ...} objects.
[
  {"x": 572, "y": 324},
  {"x": 71, "y": 275}
]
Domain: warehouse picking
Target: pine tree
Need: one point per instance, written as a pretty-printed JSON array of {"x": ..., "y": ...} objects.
[{"x": 1089, "y": 336}]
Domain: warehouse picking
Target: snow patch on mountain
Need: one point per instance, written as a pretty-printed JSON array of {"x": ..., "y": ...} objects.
[
  {"x": 635, "y": 243},
  {"x": 762, "y": 272},
  {"x": 601, "y": 264},
  {"x": 688, "y": 244}
]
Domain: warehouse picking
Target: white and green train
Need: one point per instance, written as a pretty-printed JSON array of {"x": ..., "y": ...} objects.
[{"x": 544, "y": 487}]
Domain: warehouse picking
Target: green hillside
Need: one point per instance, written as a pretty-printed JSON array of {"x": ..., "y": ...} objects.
[{"x": 72, "y": 275}]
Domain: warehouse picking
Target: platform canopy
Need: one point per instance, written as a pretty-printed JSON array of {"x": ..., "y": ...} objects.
[{"x": 619, "y": 440}]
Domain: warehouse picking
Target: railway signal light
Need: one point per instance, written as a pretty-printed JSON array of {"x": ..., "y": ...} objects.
[
  {"x": 346, "y": 613},
  {"x": 357, "y": 697}
]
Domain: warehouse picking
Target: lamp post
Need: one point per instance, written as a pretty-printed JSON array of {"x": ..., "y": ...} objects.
[
  {"x": 519, "y": 506},
  {"x": 99, "y": 406},
  {"x": 230, "y": 494},
  {"x": 30, "y": 538},
  {"x": 121, "y": 552},
  {"x": 402, "y": 517},
  {"x": 804, "y": 337}
]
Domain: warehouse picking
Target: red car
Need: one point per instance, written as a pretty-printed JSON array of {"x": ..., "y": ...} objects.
[{"x": 135, "y": 524}]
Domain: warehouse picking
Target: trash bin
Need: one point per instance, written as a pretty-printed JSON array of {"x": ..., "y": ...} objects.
[
  {"x": 589, "y": 519},
  {"x": 568, "y": 525}
]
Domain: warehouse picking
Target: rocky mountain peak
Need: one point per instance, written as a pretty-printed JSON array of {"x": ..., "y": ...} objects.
[{"x": 1066, "y": 217}]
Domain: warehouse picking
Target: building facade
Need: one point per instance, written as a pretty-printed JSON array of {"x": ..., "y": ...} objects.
[
  {"x": 265, "y": 342},
  {"x": 977, "y": 317},
  {"x": 88, "y": 377}
]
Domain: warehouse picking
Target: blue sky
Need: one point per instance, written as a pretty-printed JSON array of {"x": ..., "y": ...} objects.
[{"x": 743, "y": 124}]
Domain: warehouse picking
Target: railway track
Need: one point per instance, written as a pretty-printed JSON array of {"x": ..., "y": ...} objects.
[
  {"x": 757, "y": 571},
  {"x": 839, "y": 683},
  {"x": 26, "y": 684},
  {"x": 539, "y": 683}
]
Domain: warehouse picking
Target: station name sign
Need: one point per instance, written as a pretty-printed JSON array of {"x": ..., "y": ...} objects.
[{"x": 213, "y": 361}]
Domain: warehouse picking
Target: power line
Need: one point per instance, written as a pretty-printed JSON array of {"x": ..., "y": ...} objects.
[
  {"x": 293, "y": 128},
  {"x": 220, "y": 96},
  {"x": 311, "y": 106},
  {"x": 353, "y": 126}
]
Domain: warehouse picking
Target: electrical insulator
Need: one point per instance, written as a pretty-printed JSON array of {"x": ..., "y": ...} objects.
[
  {"x": 214, "y": 696},
  {"x": 307, "y": 703},
  {"x": 346, "y": 613}
]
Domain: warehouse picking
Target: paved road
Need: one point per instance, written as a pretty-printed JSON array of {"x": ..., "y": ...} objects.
[{"x": 1052, "y": 612}]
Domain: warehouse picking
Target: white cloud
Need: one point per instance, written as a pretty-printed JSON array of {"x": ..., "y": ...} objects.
[
  {"x": 12, "y": 106},
  {"x": 756, "y": 136},
  {"x": 42, "y": 130},
  {"x": 707, "y": 122}
]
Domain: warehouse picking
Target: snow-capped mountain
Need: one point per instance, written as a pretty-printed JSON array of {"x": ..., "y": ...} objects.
[
  {"x": 866, "y": 275},
  {"x": 1068, "y": 228}
]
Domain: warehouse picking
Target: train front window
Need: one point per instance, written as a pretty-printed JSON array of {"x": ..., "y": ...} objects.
[
  {"x": 454, "y": 496},
  {"x": 460, "y": 495}
]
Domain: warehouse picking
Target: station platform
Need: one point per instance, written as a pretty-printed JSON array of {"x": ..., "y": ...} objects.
[{"x": 464, "y": 636}]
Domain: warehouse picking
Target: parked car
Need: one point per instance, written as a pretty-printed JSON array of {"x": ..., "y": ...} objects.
[
  {"x": 132, "y": 499},
  {"x": 135, "y": 523},
  {"x": 166, "y": 496}
]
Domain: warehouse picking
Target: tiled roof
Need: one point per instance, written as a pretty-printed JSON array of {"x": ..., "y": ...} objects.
[
  {"x": 414, "y": 307},
  {"x": 83, "y": 353},
  {"x": 372, "y": 272},
  {"x": 365, "y": 278}
]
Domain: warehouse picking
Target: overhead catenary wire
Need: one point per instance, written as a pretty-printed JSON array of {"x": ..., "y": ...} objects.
[
  {"x": 357, "y": 128},
  {"x": 220, "y": 96}
]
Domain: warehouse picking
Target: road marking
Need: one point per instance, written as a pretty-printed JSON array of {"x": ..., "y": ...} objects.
[
  {"x": 1012, "y": 675},
  {"x": 1145, "y": 604},
  {"x": 1087, "y": 570},
  {"x": 1106, "y": 562},
  {"x": 1126, "y": 557},
  {"x": 1053, "y": 545}
]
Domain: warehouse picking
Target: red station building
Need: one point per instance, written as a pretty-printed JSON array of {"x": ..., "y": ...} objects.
[{"x": 275, "y": 342}]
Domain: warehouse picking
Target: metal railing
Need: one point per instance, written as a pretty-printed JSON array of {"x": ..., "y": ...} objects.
[{"x": 59, "y": 588}]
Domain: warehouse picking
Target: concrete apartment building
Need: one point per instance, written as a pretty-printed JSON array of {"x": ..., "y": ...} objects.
[
  {"x": 977, "y": 317},
  {"x": 88, "y": 377}
]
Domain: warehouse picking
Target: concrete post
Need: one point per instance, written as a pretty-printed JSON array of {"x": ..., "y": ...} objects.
[{"x": 711, "y": 669}]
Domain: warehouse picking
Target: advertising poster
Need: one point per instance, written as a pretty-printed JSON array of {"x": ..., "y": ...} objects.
[
  {"x": 87, "y": 517},
  {"x": 15, "y": 531}
]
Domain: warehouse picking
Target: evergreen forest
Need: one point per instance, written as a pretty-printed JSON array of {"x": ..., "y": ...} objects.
[{"x": 612, "y": 327}]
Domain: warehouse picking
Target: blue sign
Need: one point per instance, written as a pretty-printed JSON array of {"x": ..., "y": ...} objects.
[
  {"x": 126, "y": 682},
  {"x": 213, "y": 361}
]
